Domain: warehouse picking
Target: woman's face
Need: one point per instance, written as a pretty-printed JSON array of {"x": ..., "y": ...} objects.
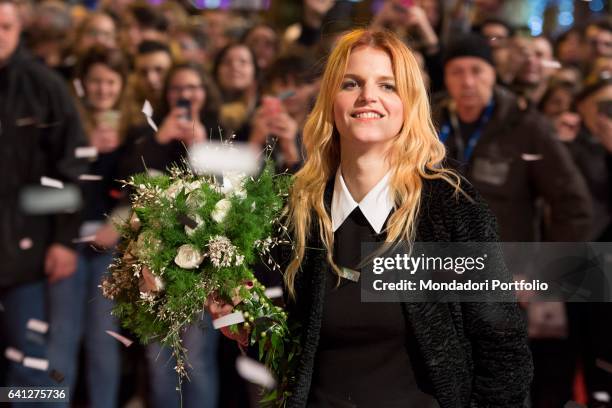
[
  {"x": 559, "y": 101},
  {"x": 99, "y": 31},
  {"x": 102, "y": 87},
  {"x": 367, "y": 108},
  {"x": 237, "y": 70},
  {"x": 186, "y": 84},
  {"x": 262, "y": 40}
]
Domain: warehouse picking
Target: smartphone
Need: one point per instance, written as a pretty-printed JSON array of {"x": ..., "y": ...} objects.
[
  {"x": 605, "y": 107},
  {"x": 186, "y": 105}
]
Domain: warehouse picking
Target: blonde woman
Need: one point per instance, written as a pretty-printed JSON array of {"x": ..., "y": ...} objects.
[{"x": 374, "y": 172}]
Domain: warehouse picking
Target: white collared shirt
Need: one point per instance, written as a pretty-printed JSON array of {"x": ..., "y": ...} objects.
[{"x": 375, "y": 206}]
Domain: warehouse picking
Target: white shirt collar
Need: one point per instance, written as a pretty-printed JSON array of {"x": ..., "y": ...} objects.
[{"x": 375, "y": 206}]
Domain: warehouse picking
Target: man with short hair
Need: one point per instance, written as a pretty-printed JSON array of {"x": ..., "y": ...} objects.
[
  {"x": 499, "y": 34},
  {"x": 39, "y": 133},
  {"x": 531, "y": 81},
  {"x": 598, "y": 36},
  {"x": 143, "y": 22},
  {"x": 151, "y": 65}
]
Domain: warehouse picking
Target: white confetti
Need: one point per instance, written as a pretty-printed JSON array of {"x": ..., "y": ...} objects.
[
  {"x": 39, "y": 200},
  {"x": 216, "y": 158},
  {"x": 88, "y": 152},
  {"x": 87, "y": 238},
  {"x": 531, "y": 157},
  {"x": 36, "y": 363},
  {"x": 274, "y": 292},
  {"x": 13, "y": 354},
  {"x": 51, "y": 182},
  {"x": 126, "y": 342},
  {"x": 147, "y": 109},
  {"x": 90, "y": 177},
  {"x": 228, "y": 320},
  {"x": 601, "y": 396},
  {"x": 25, "y": 243},
  {"x": 37, "y": 326},
  {"x": 78, "y": 87},
  {"x": 254, "y": 372},
  {"x": 551, "y": 64}
]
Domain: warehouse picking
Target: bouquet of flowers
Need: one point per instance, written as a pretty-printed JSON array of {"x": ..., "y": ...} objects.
[{"x": 190, "y": 237}]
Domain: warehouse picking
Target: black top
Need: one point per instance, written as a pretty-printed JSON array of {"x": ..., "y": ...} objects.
[{"x": 362, "y": 359}]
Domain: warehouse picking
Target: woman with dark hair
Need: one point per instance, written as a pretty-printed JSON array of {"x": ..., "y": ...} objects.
[
  {"x": 263, "y": 39},
  {"x": 79, "y": 312},
  {"x": 188, "y": 115},
  {"x": 374, "y": 172},
  {"x": 236, "y": 73}
]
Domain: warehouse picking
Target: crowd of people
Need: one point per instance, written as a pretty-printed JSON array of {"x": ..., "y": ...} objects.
[{"x": 527, "y": 120}]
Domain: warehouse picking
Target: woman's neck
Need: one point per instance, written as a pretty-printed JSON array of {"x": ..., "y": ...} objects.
[{"x": 361, "y": 173}]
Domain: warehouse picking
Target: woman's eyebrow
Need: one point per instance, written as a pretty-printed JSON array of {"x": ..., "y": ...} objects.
[{"x": 359, "y": 78}]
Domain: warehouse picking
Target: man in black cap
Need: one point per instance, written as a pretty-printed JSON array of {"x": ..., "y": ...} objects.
[{"x": 509, "y": 152}]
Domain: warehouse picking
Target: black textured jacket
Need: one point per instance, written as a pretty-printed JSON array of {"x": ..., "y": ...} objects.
[
  {"x": 465, "y": 354},
  {"x": 40, "y": 129}
]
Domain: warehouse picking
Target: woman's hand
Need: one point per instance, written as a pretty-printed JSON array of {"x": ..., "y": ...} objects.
[
  {"x": 218, "y": 308},
  {"x": 104, "y": 138},
  {"x": 286, "y": 129},
  {"x": 260, "y": 127},
  {"x": 416, "y": 17},
  {"x": 107, "y": 236},
  {"x": 176, "y": 126}
]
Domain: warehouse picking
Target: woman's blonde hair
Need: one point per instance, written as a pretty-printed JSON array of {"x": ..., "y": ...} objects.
[{"x": 416, "y": 152}]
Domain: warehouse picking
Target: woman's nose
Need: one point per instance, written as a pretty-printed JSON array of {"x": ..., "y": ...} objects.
[{"x": 368, "y": 94}]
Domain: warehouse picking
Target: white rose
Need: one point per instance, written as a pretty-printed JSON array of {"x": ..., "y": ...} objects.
[
  {"x": 190, "y": 231},
  {"x": 221, "y": 209},
  {"x": 233, "y": 183},
  {"x": 188, "y": 257}
]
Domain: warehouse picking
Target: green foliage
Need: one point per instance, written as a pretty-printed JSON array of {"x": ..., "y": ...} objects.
[{"x": 157, "y": 297}]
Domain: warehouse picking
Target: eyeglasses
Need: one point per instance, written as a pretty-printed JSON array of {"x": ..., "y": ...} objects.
[{"x": 185, "y": 88}]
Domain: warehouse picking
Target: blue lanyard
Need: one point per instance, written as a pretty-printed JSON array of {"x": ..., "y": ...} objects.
[{"x": 447, "y": 129}]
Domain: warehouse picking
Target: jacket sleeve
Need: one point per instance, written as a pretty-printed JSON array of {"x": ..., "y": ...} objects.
[
  {"x": 63, "y": 135},
  {"x": 559, "y": 181},
  {"x": 502, "y": 362}
]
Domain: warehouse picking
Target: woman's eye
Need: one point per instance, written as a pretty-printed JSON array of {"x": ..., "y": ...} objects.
[
  {"x": 349, "y": 85},
  {"x": 388, "y": 87}
]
